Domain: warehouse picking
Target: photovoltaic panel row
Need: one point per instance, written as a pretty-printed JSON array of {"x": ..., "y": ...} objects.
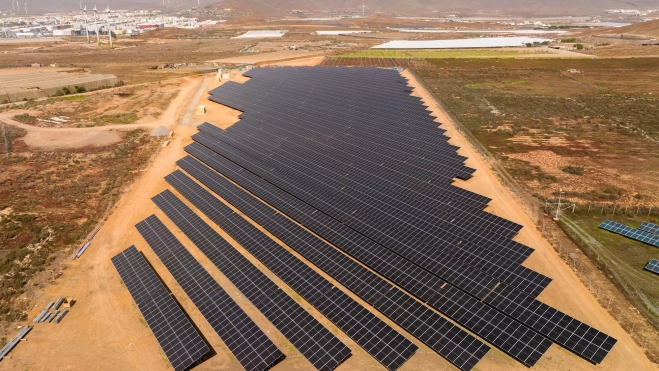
[
  {"x": 328, "y": 170},
  {"x": 318, "y": 116},
  {"x": 553, "y": 324},
  {"x": 280, "y": 104},
  {"x": 630, "y": 232},
  {"x": 177, "y": 336},
  {"x": 313, "y": 340},
  {"x": 653, "y": 266},
  {"x": 574, "y": 335},
  {"x": 377, "y": 338},
  {"x": 369, "y": 174},
  {"x": 389, "y": 229},
  {"x": 251, "y": 347},
  {"x": 440, "y": 335},
  {"x": 438, "y": 262},
  {"x": 649, "y": 227},
  {"x": 503, "y": 332},
  {"x": 246, "y": 117}
]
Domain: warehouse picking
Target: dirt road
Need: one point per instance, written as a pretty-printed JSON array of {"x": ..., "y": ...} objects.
[{"x": 59, "y": 138}]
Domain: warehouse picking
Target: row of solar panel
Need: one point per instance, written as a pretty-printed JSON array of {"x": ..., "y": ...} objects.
[
  {"x": 649, "y": 227},
  {"x": 425, "y": 285},
  {"x": 581, "y": 344},
  {"x": 253, "y": 349},
  {"x": 633, "y": 233}
]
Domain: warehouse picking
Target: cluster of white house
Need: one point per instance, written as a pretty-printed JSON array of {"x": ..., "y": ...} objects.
[{"x": 120, "y": 23}]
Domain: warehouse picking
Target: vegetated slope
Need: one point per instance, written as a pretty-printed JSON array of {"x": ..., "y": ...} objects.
[
  {"x": 650, "y": 28},
  {"x": 521, "y": 7}
]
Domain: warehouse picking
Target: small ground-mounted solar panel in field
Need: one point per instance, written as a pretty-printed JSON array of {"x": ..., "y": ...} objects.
[
  {"x": 630, "y": 232},
  {"x": 177, "y": 336},
  {"x": 649, "y": 227},
  {"x": 248, "y": 343},
  {"x": 653, "y": 266}
]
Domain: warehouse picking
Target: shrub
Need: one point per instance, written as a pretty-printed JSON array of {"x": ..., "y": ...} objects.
[
  {"x": 26, "y": 119},
  {"x": 80, "y": 89},
  {"x": 66, "y": 90},
  {"x": 574, "y": 170},
  {"x": 578, "y": 46}
]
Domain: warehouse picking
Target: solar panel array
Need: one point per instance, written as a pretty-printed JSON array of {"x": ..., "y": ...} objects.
[
  {"x": 313, "y": 340},
  {"x": 361, "y": 155},
  {"x": 446, "y": 339},
  {"x": 653, "y": 266},
  {"x": 177, "y": 336},
  {"x": 649, "y": 227},
  {"x": 630, "y": 232},
  {"x": 376, "y": 337},
  {"x": 251, "y": 347}
]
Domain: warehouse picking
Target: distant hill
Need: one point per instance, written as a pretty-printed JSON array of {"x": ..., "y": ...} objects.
[
  {"x": 521, "y": 7},
  {"x": 279, "y": 7},
  {"x": 63, "y": 6},
  {"x": 643, "y": 29}
]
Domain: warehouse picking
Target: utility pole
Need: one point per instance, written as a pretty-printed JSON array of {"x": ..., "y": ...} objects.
[
  {"x": 363, "y": 8},
  {"x": 98, "y": 37},
  {"x": 86, "y": 26},
  {"x": 107, "y": 18}
]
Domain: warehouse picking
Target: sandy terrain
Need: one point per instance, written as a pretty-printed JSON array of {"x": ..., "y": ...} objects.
[
  {"x": 256, "y": 58},
  {"x": 105, "y": 330},
  {"x": 55, "y": 138}
]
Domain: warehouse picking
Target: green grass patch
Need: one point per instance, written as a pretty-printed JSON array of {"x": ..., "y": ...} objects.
[
  {"x": 376, "y": 54},
  {"x": 75, "y": 98},
  {"x": 478, "y": 86}
]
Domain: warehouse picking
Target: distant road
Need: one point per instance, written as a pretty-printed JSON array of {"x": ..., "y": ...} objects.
[{"x": 35, "y": 40}]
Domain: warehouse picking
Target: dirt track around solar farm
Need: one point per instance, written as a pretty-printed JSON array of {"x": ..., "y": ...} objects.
[{"x": 105, "y": 330}]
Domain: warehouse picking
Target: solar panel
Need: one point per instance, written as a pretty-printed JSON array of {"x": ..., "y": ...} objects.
[
  {"x": 404, "y": 241},
  {"x": 653, "y": 266},
  {"x": 177, "y": 336},
  {"x": 313, "y": 340},
  {"x": 575, "y": 335},
  {"x": 341, "y": 267},
  {"x": 251, "y": 347},
  {"x": 361, "y": 163},
  {"x": 649, "y": 227},
  {"x": 377, "y": 219},
  {"x": 630, "y": 232},
  {"x": 376, "y": 337}
]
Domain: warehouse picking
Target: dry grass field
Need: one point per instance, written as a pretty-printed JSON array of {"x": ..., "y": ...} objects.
[
  {"x": 126, "y": 105},
  {"x": 51, "y": 200}
]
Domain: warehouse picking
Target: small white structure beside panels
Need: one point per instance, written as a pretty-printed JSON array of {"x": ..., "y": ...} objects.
[
  {"x": 334, "y": 33},
  {"x": 483, "y": 42},
  {"x": 256, "y": 34}
]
